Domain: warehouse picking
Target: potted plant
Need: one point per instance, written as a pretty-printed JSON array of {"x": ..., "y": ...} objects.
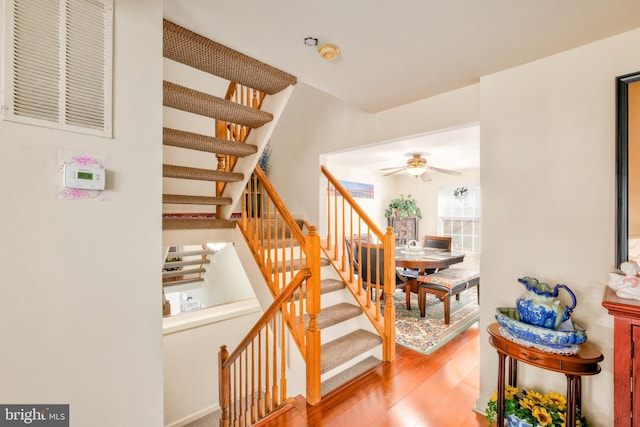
[
  {"x": 403, "y": 208},
  {"x": 528, "y": 408}
]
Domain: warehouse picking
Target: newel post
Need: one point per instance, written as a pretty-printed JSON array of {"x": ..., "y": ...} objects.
[
  {"x": 313, "y": 309},
  {"x": 389, "y": 339},
  {"x": 225, "y": 386}
]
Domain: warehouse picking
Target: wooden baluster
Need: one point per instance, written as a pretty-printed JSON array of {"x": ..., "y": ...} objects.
[
  {"x": 274, "y": 387},
  {"x": 267, "y": 376},
  {"x": 223, "y": 355},
  {"x": 328, "y": 240},
  {"x": 283, "y": 362},
  {"x": 254, "y": 406},
  {"x": 260, "y": 395},
  {"x": 247, "y": 396}
]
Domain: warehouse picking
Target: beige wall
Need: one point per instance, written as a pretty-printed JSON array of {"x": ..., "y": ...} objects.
[
  {"x": 81, "y": 317},
  {"x": 548, "y": 181}
]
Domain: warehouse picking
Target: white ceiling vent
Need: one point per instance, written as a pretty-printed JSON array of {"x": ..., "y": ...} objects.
[{"x": 58, "y": 64}]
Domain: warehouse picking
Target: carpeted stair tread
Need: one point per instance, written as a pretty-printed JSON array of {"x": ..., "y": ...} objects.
[
  {"x": 326, "y": 286},
  {"x": 331, "y": 285},
  {"x": 185, "y": 172},
  {"x": 209, "y": 144},
  {"x": 296, "y": 264},
  {"x": 345, "y": 348},
  {"x": 335, "y": 314},
  {"x": 349, "y": 374},
  {"x": 196, "y": 223},
  {"x": 194, "y": 50},
  {"x": 203, "y": 104},
  {"x": 184, "y": 199}
]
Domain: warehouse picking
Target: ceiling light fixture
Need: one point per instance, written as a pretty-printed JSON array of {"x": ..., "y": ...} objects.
[
  {"x": 311, "y": 41},
  {"x": 416, "y": 170},
  {"x": 328, "y": 51}
]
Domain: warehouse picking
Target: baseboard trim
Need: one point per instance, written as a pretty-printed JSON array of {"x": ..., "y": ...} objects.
[{"x": 195, "y": 416}]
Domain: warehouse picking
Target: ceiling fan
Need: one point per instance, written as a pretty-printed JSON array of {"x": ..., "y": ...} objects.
[{"x": 417, "y": 166}]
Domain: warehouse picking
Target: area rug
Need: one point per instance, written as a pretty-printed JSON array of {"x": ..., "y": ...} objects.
[{"x": 427, "y": 334}]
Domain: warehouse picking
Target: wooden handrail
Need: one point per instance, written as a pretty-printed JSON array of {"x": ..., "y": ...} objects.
[
  {"x": 273, "y": 309},
  {"x": 251, "y": 387},
  {"x": 347, "y": 223},
  {"x": 253, "y": 377}
]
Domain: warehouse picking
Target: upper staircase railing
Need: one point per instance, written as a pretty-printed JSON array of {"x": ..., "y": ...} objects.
[
  {"x": 349, "y": 230},
  {"x": 290, "y": 264},
  {"x": 248, "y": 97}
]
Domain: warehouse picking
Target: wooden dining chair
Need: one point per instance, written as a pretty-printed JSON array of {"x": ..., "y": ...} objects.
[
  {"x": 437, "y": 242},
  {"x": 371, "y": 268}
]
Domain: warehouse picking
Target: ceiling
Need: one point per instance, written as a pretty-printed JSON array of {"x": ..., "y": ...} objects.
[{"x": 393, "y": 53}]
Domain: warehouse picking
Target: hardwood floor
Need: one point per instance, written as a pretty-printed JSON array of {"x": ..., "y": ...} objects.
[{"x": 415, "y": 390}]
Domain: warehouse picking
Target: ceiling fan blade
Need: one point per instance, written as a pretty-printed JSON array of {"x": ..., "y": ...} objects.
[
  {"x": 394, "y": 172},
  {"x": 425, "y": 177},
  {"x": 395, "y": 167},
  {"x": 447, "y": 171}
]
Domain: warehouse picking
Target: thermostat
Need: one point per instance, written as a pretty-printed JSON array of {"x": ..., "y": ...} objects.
[{"x": 86, "y": 178}]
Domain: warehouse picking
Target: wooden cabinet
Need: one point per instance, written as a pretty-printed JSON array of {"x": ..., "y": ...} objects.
[
  {"x": 406, "y": 229},
  {"x": 626, "y": 367}
]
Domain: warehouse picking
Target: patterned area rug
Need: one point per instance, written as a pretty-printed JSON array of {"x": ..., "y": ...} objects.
[{"x": 427, "y": 334}]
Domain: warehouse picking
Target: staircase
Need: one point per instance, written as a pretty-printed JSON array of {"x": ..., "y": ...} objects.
[
  {"x": 218, "y": 120},
  {"x": 214, "y": 99}
]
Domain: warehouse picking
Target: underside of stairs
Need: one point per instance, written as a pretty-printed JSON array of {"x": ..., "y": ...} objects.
[{"x": 210, "y": 134}]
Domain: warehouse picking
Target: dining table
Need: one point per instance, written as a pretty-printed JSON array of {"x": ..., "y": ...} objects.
[{"x": 426, "y": 260}]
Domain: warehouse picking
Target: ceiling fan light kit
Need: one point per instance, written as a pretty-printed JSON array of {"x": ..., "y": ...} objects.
[
  {"x": 416, "y": 170},
  {"x": 417, "y": 166}
]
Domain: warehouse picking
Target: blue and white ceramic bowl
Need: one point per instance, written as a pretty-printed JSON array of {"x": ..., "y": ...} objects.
[{"x": 508, "y": 318}]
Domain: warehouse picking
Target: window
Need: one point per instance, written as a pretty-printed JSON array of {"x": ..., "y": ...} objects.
[
  {"x": 58, "y": 61},
  {"x": 459, "y": 217}
]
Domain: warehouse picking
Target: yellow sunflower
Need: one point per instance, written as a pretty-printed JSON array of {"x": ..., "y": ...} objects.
[
  {"x": 527, "y": 403},
  {"x": 556, "y": 399},
  {"x": 510, "y": 392},
  {"x": 542, "y": 415},
  {"x": 563, "y": 419},
  {"x": 535, "y": 396}
]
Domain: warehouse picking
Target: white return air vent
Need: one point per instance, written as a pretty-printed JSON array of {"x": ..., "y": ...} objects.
[{"x": 58, "y": 64}]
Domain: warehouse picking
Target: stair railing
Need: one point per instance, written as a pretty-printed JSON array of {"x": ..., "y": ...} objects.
[
  {"x": 253, "y": 381},
  {"x": 281, "y": 251},
  {"x": 349, "y": 230},
  {"x": 248, "y": 97}
]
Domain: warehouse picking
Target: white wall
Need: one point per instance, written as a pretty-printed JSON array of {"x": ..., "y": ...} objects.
[
  {"x": 191, "y": 345},
  {"x": 81, "y": 323},
  {"x": 548, "y": 170},
  {"x": 316, "y": 124}
]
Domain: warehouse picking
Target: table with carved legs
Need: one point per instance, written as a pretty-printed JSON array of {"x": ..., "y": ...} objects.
[{"x": 584, "y": 362}]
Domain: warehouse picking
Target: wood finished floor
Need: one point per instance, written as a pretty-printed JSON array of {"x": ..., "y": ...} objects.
[{"x": 415, "y": 390}]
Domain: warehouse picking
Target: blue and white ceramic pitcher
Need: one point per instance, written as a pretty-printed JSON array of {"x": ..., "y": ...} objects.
[{"x": 539, "y": 304}]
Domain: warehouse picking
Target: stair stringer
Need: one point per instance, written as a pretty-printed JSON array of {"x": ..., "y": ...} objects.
[{"x": 274, "y": 104}]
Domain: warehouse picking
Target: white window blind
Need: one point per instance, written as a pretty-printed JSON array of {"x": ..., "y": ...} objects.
[
  {"x": 459, "y": 218},
  {"x": 58, "y": 64}
]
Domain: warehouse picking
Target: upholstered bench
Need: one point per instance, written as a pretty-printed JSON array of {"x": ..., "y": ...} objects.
[{"x": 444, "y": 284}]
